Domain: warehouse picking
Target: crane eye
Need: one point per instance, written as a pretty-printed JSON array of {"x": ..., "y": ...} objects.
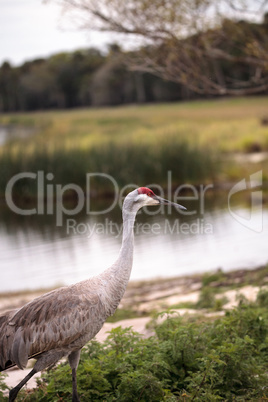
[{"x": 149, "y": 194}]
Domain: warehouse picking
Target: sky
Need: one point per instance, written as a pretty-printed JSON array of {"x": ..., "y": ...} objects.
[{"x": 30, "y": 29}]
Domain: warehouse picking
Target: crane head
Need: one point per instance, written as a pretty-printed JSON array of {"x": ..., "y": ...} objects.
[{"x": 145, "y": 196}]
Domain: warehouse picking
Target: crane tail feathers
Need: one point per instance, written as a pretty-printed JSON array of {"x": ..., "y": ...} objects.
[{"x": 20, "y": 349}]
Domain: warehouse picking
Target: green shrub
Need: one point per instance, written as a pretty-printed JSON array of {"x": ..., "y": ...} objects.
[
  {"x": 3, "y": 387},
  {"x": 262, "y": 298},
  {"x": 206, "y": 298},
  {"x": 225, "y": 359},
  {"x": 209, "y": 278}
]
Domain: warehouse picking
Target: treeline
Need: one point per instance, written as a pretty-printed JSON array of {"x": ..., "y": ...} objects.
[
  {"x": 91, "y": 78},
  {"x": 82, "y": 78}
]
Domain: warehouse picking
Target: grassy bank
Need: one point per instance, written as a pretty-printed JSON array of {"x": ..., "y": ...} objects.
[{"x": 136, "y": 144}]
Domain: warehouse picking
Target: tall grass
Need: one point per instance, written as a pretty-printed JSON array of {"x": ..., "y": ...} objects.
[
  {"x": 140, "y": 164},
  {"x": 137, "y": 144}
]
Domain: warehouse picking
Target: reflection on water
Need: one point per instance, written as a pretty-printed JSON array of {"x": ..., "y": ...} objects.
[{"x": 37, "y": 254}]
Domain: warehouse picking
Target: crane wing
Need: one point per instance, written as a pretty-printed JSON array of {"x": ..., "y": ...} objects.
[{"x": 52, "y": 321}]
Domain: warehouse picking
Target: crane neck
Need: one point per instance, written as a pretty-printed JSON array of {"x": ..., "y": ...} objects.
[
  {"x": 125, "y": 257},
  {"x": 128, "y": 224},
  {"x": 115, "y": 278}
]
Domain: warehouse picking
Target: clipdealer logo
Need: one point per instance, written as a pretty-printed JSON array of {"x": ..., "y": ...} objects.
[
  {"x": 255, "y": 220},
  {"x": 108, "y": 227},
  {"x": 50, "y": 197},
  {"x": 47, "y": 192}
]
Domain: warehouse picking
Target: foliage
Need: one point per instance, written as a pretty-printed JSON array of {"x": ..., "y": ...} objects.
[
  {"x": 123, "y": 314},
  {"x": 3, "y": 386},
  {"x": 81, "y": 78},
  {"x": 186, "y": 55},
  {"x": 262, "y": 298},
  {"x": 213, "y": 47},
  {"x": 206, "y": 298},
  {"x": 209, "y": 278},
  {"x": 225, "y": 359}
]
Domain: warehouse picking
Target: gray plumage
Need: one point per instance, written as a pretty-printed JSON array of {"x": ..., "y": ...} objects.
[{"x": 61, "y": 322}]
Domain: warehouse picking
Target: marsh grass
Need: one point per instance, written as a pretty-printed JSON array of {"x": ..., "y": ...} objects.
[
  {"x": 125, "y": 162},
  {"x": 136, "y": 144}
]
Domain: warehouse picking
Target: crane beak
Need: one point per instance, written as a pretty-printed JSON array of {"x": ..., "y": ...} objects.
[{"x": 167, "y": 202}]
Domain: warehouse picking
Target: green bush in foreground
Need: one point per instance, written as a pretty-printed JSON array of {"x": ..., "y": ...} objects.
[
  {"x": 225, "y": 359},
  {"x": 3, "y": 386}
]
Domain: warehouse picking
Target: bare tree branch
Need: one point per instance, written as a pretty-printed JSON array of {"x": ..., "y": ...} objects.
[{"x": 209, "y": 46}]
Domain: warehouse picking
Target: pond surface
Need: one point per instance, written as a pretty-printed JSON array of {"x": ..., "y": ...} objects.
[
  {"x": 10, "y": 132},
  {"x": 35, "y": 253}
]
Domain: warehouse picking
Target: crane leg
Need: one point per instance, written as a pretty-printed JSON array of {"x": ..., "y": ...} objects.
[
  {"x": 46, "y": 360},
  {"x": 14, "y": 391},
  {"x": 74, "y": 358}
]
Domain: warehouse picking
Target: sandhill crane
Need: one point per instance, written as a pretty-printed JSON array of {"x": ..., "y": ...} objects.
[{"x": 59, "y": 323}]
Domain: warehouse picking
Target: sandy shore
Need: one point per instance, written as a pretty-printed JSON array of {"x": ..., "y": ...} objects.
[{"x": 145, "y": 297}]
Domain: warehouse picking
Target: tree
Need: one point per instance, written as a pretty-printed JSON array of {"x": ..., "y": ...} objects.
[
  {"x": 8, "y": 88},
  {"x": 37, "y": 86},
  {"x": 112, "y": 83},
  {"x": 216, "y": 47}
]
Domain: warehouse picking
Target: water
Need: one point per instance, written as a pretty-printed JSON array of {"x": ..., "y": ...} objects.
[
  {"x": 35, "y": 253},
  {"x": 9, "y": 132}
]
